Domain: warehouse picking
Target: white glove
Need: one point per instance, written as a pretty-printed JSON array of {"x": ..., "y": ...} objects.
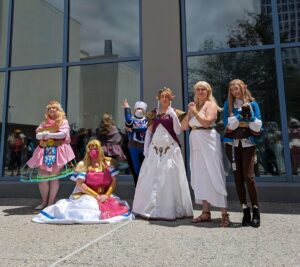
[
  {"x": 41, "y": 135},
  {"x": 58, "y": 135},
  {"x": 176, "y": 122},
  {"x": 147, "y": 142}
]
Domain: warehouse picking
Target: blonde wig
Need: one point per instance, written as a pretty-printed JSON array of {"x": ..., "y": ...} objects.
[
  {"x": 246, "y": 95},
  {"x": 60, "y": 114},
  {"x": 210, "y": 97},
  {"x": 101, "y": 158}
]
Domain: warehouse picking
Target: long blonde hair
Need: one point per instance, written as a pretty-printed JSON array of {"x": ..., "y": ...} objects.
[
  {"x": 60, "y": 114},
  {"x": 101, "y": 158},
  {"x": 246, "y": 95},
  {"x": 210, "y": 96}
]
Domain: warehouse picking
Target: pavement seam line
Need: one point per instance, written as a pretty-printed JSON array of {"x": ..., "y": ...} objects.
[{"x": 88, "y": 244}]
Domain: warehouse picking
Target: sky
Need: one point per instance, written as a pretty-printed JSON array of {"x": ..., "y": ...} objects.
[
  {"x": 212, "y": 19},
  {"x": 99, "y": 20}
]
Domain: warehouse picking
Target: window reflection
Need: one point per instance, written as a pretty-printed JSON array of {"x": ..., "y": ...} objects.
[
  {"x": 30, "y": 92},
  {"x": 220, "y": 24},
  {"x": 95, "y": 90},
  {"x": 37, "y": 32},
  {"x": 3, "y": 30},
  {"x": 1, "y": 98},
  {"x": 257, "y": 69},
  {"x": 101, "y": 27},
  {"x": 291, "y": 58},
  {"x": 289, "y": 19}
]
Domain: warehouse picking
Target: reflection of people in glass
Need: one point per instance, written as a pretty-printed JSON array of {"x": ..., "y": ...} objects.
[
  {"x": 162, "y": 191},
  {"x": 274, "y": 149},
  {"x": 206, "y": 161},
  {"x": 51, "y": 157},
  {"x": 294, "y": 137},
  {"x": 16, "y": 145},
  {"x": 111, "y": 138},
  {"x": 92, "y": 200},
  {"x": 136, "y": 127},
  {"x": 243, "y": 122}
]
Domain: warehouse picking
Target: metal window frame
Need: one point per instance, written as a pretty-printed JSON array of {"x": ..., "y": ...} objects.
[
  {"x": 277, "y": 46},
  {"x": 64, "y": 65}
]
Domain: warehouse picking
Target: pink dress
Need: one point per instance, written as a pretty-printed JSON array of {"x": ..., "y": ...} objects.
[
  {"x": 99, "y": 182},
  {"x": 62, "y": 154}
]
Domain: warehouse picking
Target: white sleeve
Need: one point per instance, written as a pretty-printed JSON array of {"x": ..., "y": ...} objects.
[
  {"x": 147, "y": 142},
  {"x": 78, "y": 175},
  {"x": 233, "y": 123},
  {"x": 176, "y": 122},
  {"x": 255, "y": 125},
  {"x": 39, "y": 136},
  {"x": 58, "y": 135}
]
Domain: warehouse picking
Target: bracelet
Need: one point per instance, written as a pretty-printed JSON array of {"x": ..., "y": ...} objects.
[
  {"x": 91, "y": 192},
  {"x": 109, "y": 191}
]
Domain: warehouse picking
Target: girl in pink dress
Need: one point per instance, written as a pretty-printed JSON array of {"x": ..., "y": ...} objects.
[
  {"x": 92, "y": 200},
  {"x": 52, "y": 158}
]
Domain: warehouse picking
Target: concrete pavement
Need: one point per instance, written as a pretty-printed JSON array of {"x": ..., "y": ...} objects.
[{"x": 151, "y": 243}]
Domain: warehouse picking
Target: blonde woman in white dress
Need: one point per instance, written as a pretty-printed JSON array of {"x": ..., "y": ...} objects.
[{"x": 206, "y": 161}]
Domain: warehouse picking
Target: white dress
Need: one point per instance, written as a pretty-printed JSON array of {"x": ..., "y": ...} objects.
[
  {"x": 83, "y": 209},
  {"x": 208, "y": 178},
  {"x": 162, "y": 190}
]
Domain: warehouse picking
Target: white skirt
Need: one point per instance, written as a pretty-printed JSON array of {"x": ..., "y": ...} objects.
[
  {"x": 84, "y": 210},
  {"x": 208, "y": 178},
  {"x": 162, "y": 191}
]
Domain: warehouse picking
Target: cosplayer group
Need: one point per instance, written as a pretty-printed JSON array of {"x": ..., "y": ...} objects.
[{"x": 162, "y": 190}]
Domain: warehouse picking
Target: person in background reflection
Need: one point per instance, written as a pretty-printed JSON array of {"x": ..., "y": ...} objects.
[
  {"x": 294, "y": 137},
  {"x": 16, "y": 143},
  {"x": 242, "y": 121},
  {"x": 110, "y": 138},
  {"x": 52, "y": 158}
]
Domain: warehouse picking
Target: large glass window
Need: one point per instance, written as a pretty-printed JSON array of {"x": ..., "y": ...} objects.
[
  {"x": 1, "y": 98},
  {"x": 3, "y": 30},
  {"x": 257, "y": 70},
  {"x": 220, "y": 24},
  {"x": 95, "y": 90},
  {"x": 289, "y": 21},
  {"x": 103, "y": 29},
  {"x": 37, "y": 32},
  {"x": 30, "y": 92},
  {"x": 291, "y": 57}
]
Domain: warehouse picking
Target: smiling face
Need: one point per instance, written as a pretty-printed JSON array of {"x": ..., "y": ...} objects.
[
  {"x": 236, "y": 91},
  {"x": 201, "y": 93},
  {"x": 52, "y": 112}
]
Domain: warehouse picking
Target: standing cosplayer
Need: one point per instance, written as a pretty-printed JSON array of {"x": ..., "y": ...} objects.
[
  {"x": 136, "y": 126},
  {"x": 92, "y": 200},
  {"x": 50, "y": 159},
  {"x": 162, "y": 190},
  {"x": 243, "y": 122}
]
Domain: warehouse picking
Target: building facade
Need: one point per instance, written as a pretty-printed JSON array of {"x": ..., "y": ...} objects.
[{"x": 91, "y": 54}]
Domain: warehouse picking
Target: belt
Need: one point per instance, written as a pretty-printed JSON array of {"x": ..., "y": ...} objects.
[
  {"x": 201, "y": 128},
  {"x": 50, "y": 142},
  {"x": 244, "y": 124}
]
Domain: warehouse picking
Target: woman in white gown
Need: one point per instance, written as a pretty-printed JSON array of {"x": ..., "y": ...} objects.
[
  {"x": 206, "y": 161},
  {"x": 92, "y": 200},
  {"x": 162, "y": 191}
]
